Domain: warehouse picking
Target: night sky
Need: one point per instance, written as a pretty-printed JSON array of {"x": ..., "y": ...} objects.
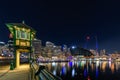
[{"x": 66, "y": 21}]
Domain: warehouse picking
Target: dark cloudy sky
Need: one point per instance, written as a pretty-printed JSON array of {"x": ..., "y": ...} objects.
[{"x": 66, "y": 21}]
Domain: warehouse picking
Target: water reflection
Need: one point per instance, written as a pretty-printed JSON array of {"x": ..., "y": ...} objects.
[
  {"x": 103, "y": 66},
  {"x": 85, "y": 70},
  {"x": 73, "y": 72},
  {"x": 85, "y": 73}
]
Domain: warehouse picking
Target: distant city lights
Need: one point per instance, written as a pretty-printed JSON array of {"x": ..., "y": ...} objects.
[{"x": 73, "y": 47}]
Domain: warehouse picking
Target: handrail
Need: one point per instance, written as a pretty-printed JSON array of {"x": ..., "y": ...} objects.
[
  {"x": 41, "y": 72},
  {"x": 47, "y": 76},
  {"x": 50, "y": 76}
]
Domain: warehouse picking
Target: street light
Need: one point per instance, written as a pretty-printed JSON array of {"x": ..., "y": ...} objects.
[{"x": 73, "y": 47}]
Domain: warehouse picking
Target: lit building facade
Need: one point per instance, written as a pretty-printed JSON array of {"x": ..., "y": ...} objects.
[
  {"x": 102, "y": 52},
  {"x": 37, "y": 45},
  {"x": 22, "y": 37}
]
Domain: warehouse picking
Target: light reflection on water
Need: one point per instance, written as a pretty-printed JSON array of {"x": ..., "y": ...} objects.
[{"x": 84, "y": 70}]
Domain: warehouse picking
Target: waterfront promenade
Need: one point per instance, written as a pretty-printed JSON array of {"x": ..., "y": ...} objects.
[{"x": 21, "y": 73}]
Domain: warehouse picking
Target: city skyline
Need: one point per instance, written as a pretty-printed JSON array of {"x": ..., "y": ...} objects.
[{"x": 66, "y": 22}]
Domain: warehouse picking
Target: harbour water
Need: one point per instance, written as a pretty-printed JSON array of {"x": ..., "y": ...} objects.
[{"x": 85, "y": 70}]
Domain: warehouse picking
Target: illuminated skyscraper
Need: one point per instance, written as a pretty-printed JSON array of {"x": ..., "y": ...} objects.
[{"x": 37, "y": 45}]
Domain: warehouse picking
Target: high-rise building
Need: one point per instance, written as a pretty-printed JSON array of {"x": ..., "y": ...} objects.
[
  {"x": 49, "y": 44},
  {"x": 94, "y": 52},
  {"x": 37, "y": 45},
  {"x": 2, "y": 44},
  {"x": 10, "y": 43},
  {"x": 102, "y": 52},
  {"x": 65, "y": 49},
  {"x": 52, "y": 50}
]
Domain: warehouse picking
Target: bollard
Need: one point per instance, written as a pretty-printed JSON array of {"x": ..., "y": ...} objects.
[{"x": 11, "y": 65}]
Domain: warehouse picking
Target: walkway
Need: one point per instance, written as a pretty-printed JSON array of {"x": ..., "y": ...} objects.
[{"x": 22, "y": 73}]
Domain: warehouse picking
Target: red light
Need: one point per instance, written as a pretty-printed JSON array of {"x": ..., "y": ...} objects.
[
  {"x": 89, "y": 78},
  {"x": 10, "y": 36},
  {"x": 88, "y": 37}
]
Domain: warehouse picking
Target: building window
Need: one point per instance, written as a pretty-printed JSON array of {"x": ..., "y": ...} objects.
[
  {"x": 23, "y": 34},
  {"x": 18, "y": 34},
  {"x": 28, "y": 36}
]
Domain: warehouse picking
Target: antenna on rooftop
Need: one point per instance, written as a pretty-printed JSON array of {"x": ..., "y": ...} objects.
[
  {"x": 96, "y": 42},
  {"x": 96, "y": 45}
]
